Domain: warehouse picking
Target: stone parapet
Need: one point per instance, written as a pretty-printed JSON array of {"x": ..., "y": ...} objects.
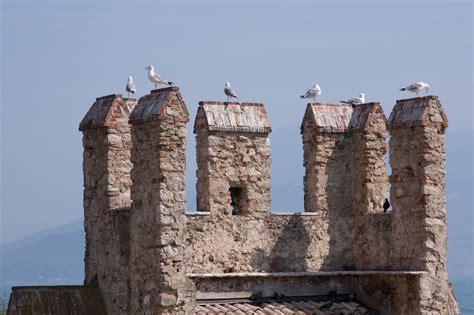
[
  {"x": 417, "y": 158},
  {"x": 233, "y": 158},
  {"x": 157, "y": 222},
  {"x": 106, "y": 166}
]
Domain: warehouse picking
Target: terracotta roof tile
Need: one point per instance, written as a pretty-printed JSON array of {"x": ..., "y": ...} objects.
[
  {"x": 328, "y": 117},
  {"x": 106, "y": 111},
  {"x": 158, "y": 106},
  {"x": 362, "y": 114},
  {"x": 234, "y": 117},
  {"x": 297, "y": 306},
  {"x": 418, "y": 111}
]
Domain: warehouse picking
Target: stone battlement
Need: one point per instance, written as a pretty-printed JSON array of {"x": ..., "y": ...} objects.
[{"x": 148, "y": 256}]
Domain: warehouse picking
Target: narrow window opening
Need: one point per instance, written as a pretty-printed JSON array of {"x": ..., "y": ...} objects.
[
  {"x": 237, "y": 200},
  {"x": 387, "y": 205}
]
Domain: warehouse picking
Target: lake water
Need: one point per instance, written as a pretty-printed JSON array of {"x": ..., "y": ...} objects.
[{"x": 464, "y": 289}]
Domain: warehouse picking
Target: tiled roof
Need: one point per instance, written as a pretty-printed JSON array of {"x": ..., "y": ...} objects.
[
  {"x": 106, "y": 110},
  {"x": 300, "y": 306},
  {"x": 362, "y": 114},
  {"x": 56, "y": 300},
  {"x": 328, "y": 117},
  {"x": 159, "y": 105},
  {"x": 234, "y": 117},
  {"x": 418, "y": 111}
]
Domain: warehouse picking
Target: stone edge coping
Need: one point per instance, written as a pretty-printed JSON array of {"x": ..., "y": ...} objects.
[
  {"x": 50, "y": 287},
  {"x": 304, "y": 274},
  {"x": 201, "y": 103},
  {"x": 168, "y": 88},
  {"x": 202, "y": 213},
  {"x": 428, "y": 97}
]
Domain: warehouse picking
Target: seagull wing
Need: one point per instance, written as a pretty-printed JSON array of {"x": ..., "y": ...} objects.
[
  {"x": 229, "y": 92},
  {"x": 416, "y": 85},
  {"x": 132, "y": 88}
]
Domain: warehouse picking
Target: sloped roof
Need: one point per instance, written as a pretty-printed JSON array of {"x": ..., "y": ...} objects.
[
  {"x": 70, "y": 299},
  {"x": 418, "y": 111},
  {"x": 363, "y": 114},
  {"x": 107, "y": 110},
  {"x": 328, "y": 117},
  {"x": 160, "y": 104},
  {"x": 234, "y": 117},
  {"x": 287, "y": 306}
]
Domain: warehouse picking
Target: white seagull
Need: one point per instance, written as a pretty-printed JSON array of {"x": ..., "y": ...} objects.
[
  {"x": 130, "y": 87},
  {"x": 229, "y": 92},
  {"x": 313, "y": 92},
  {"x": 417, "y": 87},
  {"x": 356, "y": 100},
  {"x": 155, "y": 78}
]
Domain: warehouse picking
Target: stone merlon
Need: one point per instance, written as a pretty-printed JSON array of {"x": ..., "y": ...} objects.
[
  {"x": 161, "y": 105},
  {"x": 106, "y": 111},
  {"x": 418, "y": 112},
  {"x": 234, "y": 117},
  {"x": 327, "y": 117}
]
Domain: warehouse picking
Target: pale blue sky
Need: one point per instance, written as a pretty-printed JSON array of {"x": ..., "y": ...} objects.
[{"x": 57, "y": 57}]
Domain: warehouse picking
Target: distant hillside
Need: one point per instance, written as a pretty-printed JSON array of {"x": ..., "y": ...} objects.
[{"x": 54, "y": 256}]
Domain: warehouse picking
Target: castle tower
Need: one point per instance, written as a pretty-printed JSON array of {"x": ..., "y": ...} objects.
[
  {"x": 327, "y": 180},
  {"x": 157, "y": 221},
  {"x": 368, "y": 133},
  {"x": 106, "y": 166},
  {"x": 233, "y": 158},
  {"x": 417, "y": 158}
]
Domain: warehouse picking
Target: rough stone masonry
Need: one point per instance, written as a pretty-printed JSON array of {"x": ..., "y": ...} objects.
[{"x": 146, "y": 255}]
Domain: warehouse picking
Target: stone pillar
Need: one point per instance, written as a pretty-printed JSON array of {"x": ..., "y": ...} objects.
[
  {"x": 157, "y": 223},
  {"x": 418, "y": 197},
  {"x": 233, "y": 158},
  {"x": 368, "y": 134},
  {"x": 107, "y": 143},
  {"x": 327, "y": 180}
]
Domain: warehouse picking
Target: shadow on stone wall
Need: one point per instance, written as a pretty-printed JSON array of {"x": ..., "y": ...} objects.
[
  {"x": 339, "y": 213},
  {"x": 290, "y": 250}
]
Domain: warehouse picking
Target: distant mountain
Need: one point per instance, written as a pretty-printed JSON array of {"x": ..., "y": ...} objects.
[{"x": 54, "y": 256}]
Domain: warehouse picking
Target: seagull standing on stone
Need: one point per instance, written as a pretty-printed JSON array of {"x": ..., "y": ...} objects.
[
  {"x": 313, "y": 92},
  {"x": 155, "y": 78},
  {"x": 417, "y": 87},
  {"x": 356, "y": 100},
  {"x": 229, "y": 92},
  {"x": 130, "y": 87}
]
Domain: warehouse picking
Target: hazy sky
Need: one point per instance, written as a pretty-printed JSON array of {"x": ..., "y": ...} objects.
[{"x": 57, "y": 57}]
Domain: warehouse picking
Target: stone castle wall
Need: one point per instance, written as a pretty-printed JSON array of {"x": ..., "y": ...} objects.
[
  {"x": 107, "y": 183},
  {"x": 233, "y": 162},
  {"x": 343, "y": 227},
  {"x": 157, "y": 220}
]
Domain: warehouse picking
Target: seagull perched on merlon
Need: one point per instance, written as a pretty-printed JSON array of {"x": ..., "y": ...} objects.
[
  {"x": 355, "y": 100},
  {"x": 130, "y": 87},
  {"x": 313, "y": 92},
  {"x": 155, "y": 78},
  {"x": 417, "y": 87},
  {"x": 229, "y": 92}
]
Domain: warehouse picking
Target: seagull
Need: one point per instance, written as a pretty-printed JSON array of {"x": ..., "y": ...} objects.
[
  {"x": 386, "y": 205},
  {"x": 312, "y": 92},
  {"x": 229, "y": 92},
  {"x": 417, "y": 87},
  {"x": 155, "y": 77},
  {"x": 130, "y": 87},
  {"x": 355, "y": 100}
]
